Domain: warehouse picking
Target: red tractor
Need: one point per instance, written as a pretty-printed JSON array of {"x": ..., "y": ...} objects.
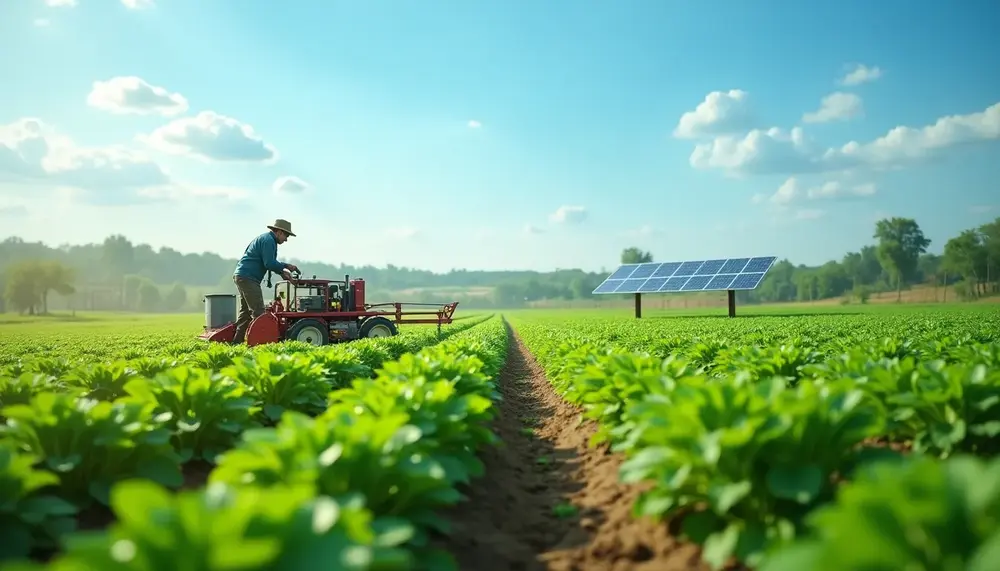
[{"x": 319, "y": 312}]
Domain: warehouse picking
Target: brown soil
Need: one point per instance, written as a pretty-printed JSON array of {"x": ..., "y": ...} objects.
[{"x": 509, "y": 522}]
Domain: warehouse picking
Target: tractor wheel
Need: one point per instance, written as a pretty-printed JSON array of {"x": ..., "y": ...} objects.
[
  {"x": 377, "y": 327},
  {"x": 312, "y": 331}
]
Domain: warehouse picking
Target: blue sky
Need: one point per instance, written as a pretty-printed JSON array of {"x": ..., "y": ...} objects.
[{"x": 498, "y": 134}]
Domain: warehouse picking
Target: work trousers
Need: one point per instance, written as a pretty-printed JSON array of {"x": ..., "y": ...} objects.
[{"x": 251, "y": 305}]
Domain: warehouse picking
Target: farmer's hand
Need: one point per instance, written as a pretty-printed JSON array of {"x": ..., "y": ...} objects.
[
  {"x": 287, "y": 273},
  {"x": 291, "y": 267}
]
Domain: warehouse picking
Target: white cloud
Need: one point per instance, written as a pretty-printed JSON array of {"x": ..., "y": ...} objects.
[
  {"x": 569, "y": 215},
  {"x": 212, "y": 137},
  {"x": 31, "y": 151},
  {"x": 473, "y": 124},
  {"x": 133, "y": 95},
  {"x": 35, "y": 159},
  {"x": 782, "y": 203},
  {"x": 532, "y": 230},
  {"x": 837, "y": 106},
  {"x": 61, "y": 3},
  {"x": 290, "y": 185},
  {"x": 759, "y": 152},
  {"x": 138, "y": 4},
  {"x": 787, "y": 192},
  {"x": 793, "y": 190},
  {"x": 789, "y": 152},
  {"x": 721, "y": 112},
  {"x": 981, "y": 208},
  {"x": 861, "y": 74},
  {"x": 42, "y": 22}
]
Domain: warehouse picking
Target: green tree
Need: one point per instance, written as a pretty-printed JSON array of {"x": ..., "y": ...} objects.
[
  {"x": 118, "y": 258},
  {"x": 176, "y": 298},
  {"x": 852, "y": 267},
  {"x": 832, "y": 280},
  {"x": 130, "y": 288},
  {"x": 963, "y": 255},
  {"x": 636, "y": 256},
  {"x": 929, "y": 267},
  {"x": 54, "y": 276},
  {"x": 149, "y": 297},
  {"x": 22, "y": 291},
  {"x": 29, "y": 282},
  {"x": 778, "y": 284},
  {"x": 871, "y": 266},
  {"x": 990, "y": 234},
  {"x": 807, "y": 284},
  {"x": 900, "y": 243}
]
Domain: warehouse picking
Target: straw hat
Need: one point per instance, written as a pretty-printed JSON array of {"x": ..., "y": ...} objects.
[{"x": 283, "y": 225}]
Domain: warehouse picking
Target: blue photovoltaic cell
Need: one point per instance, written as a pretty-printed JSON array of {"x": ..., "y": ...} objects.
[
  {"x": 643, "y": 271},
  {"x": 622, "y": 272},
  {"x": 695, "y": 275},
  {"x": 674, "y": 284},
  {"x": 696, "y": 283},
  {"x": 609, "y": 286},
  {"x": 688, "y": 268},
  {"x": 710, "y": 268},
  {"x": 652, "y": 284},
  {"x": 734, "y": 266},
  {"x": 747, "y": 281},
  {"x": 758, "y": 265},
  {"x": 721, "y": 281},
  {"x": 630, "y": 285},
  {"x": 666, "y": 270}
]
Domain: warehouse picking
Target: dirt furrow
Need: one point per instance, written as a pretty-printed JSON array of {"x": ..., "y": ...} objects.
[{"x": 548, "y": 501}]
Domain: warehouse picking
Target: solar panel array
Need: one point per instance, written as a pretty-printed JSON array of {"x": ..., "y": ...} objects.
[{"x": 696, "y": 275}]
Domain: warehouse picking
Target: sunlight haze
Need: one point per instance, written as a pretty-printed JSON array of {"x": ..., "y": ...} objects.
[{"x": 495, "y": 135}]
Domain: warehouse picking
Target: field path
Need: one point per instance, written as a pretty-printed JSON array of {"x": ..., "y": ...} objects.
[{"x": 511, "y": 522}]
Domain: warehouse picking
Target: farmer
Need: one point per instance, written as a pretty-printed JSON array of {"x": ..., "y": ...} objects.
[{"x": 260, "y": 257}]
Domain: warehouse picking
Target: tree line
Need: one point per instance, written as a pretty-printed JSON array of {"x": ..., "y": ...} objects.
[{"x": 117, "y": 274}]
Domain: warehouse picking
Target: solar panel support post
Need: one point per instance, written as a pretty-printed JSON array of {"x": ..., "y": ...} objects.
[
  {"x": 731, "y": 294},
  {"x": 638, "y": 305}
]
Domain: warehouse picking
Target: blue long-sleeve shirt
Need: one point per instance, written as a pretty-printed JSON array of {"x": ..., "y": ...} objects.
[{"x": 261, "y": 255}]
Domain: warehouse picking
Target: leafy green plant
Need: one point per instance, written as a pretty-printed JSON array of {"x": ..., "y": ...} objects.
[
  {"x": 249, "y": 529},
  {"x": 30, "y": 518},
  {"x": 758, "y": 455},
  {"x": 403, "y": 440},
  {"x": 942, "y": 408},
  {"x": 208, "y": 411},
  {"x": 20, "y": 389},
  {"x": 91, "y": 444},
  {"x": 916, "y": 514},
  {"x": 101, "y": 381},
  {"x": 281, "y": 382}
]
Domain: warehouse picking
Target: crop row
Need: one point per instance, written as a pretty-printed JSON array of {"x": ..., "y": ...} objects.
[
  {"x": 276, "y": 376},
  {"x": 84, "y": 343},
  {"x": 855, "y": 452},
  {"x": 311, "y": 459}
]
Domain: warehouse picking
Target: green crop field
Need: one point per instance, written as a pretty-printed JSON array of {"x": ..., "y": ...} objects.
[{"x": 842, "y": 438}]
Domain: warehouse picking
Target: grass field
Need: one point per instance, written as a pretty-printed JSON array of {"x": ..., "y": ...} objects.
[{"x": 837, "y": 437}]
